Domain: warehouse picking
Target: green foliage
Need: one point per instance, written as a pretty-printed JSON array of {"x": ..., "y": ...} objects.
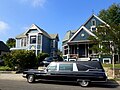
[
  {"x": 41, "y": 57},
  {"x": 21, "y": 59},
  {"x": 11, "y": 42},
  {"x": 108, "y": 34},
  {"x": 111, "y": 15},
  {"x": 5, "y": 68},
  {"x": 111, "y": 65}
]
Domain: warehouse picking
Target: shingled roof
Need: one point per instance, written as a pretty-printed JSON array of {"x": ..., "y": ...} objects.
[
  {"x": 68, "y": 35},
  {"x": 33, "y": 26}
]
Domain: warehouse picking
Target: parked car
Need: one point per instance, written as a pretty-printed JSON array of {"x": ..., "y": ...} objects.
[
  {"x": 47, "y": 61},
  {"x": 82, "y": 72}
]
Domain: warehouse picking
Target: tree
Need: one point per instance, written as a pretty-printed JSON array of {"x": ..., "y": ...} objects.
[
  {"x": 11, "y": 42},
  {"x": 111, "y": 15},
  {"x": 108, "y": 33}
]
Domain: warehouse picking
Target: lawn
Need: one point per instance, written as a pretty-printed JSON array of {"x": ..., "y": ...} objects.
[{"x": 111, "y": 65}]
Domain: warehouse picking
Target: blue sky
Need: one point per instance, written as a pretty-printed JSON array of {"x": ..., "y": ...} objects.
[{"x": 54, "y": 16}]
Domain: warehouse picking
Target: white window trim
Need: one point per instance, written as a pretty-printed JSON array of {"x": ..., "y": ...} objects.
[
  {"x": 92, "y": 27},
  {"x": 107, "y": 59}
]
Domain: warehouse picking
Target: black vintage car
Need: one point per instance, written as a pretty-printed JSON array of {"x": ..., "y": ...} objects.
[{"x": 82, "y": 72}]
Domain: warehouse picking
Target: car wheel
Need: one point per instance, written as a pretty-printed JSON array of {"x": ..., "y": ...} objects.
[
  {"x": 30, "y": 78},
  {"x": 84, "y": 83}
]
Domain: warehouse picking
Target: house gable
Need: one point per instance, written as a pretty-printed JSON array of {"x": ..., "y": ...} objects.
[
  {"x": 82, "y": 34},
  {"x": 96, "y": 19},
  {"x": 35, "y": 29}
]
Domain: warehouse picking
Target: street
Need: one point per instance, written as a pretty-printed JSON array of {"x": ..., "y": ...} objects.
[{"x": 45, "y": 85}]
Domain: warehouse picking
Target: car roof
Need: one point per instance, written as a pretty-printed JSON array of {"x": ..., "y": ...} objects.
[{"x": 90, "y": 63}]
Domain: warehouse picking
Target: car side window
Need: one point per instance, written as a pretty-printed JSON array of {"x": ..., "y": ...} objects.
[
  {"x": 52, "y": 67},
  {"x": 65, "y": 67}
]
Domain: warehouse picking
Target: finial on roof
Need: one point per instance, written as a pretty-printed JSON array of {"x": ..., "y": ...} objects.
[{"x": 92, "y": 11}]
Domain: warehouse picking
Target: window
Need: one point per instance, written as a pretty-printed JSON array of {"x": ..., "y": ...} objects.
[
  {"x": 39, "y": 39},
  {"x": 93, "y": 28},
  {"x": 52, "y": 67},
  {"x": 66, "y": 67},
  {"x": 32, "y": 39},
  {"x": 93, "y": 22}
]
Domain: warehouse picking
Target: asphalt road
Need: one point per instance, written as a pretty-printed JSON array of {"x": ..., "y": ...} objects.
[
  {"x": 17, "y": 82},
  {"x": 45, "y": 85}
]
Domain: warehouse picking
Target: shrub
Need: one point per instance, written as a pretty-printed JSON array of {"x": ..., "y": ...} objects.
[
  {"x": 21, "y": 59},
  {"x": 41, "y": 57},
  {"x": 5, "y": 68}
]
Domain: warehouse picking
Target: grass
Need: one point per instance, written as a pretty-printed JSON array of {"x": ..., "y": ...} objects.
[
  {"x": 5, "y": 68},
  {"x": 111, "y": 66}
]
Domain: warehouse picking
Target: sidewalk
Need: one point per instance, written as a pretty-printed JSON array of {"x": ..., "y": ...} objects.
[{"x": 11, "y": 76}]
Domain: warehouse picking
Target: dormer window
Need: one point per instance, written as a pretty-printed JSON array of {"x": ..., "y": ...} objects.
[{"x": 93, "y": 22}]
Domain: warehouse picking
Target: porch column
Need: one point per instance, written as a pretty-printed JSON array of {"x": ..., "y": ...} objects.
[
  {"x": 68, "y": 51},
  {"x": 36, "y": 44},
  {"x": 88, "y": 50},
  {"x": 85, "y": 50},
  {"x": 78, "y": 50}
]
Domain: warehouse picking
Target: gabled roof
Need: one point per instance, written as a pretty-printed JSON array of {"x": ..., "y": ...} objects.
[
  {"x": 84, "y": 28},
  {"x": 54, "y": 36},
  {"x": 4, "y": 47},
  {"x": 21, "y": 35},
  {"x": 69, "y": 34},
  {"x": 33, "y": 26},
  {"x": 93, "y": 15}
]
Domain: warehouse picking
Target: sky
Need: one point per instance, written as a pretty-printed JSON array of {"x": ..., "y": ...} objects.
[{"x": 54, "y": 16}]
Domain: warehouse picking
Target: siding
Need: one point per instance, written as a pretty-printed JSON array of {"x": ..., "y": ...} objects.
[
  {"x": 79, "y": 36},
  {"x": 46, "y": 45},
  {"x": 88, "y": 24}
]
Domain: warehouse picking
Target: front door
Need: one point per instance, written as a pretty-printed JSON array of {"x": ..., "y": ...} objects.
[{"x": 81, "y": 51}]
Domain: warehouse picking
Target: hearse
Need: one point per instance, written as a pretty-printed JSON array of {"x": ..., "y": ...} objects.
[{"x": 82, "y": 72}]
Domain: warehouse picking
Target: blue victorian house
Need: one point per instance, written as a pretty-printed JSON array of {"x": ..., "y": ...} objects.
[
  {"x": 38, "y": 40},
  {"x": 76, "y": 43}
]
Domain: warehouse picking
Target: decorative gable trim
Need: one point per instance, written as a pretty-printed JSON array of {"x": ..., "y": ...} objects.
[
  {"x": 93, "y": 15},
  {"x": 33, "y": 26},
  {"x": 82, "y": 27}
]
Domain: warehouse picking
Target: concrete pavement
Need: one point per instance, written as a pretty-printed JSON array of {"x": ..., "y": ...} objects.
[{"x": 11, "y": 77}]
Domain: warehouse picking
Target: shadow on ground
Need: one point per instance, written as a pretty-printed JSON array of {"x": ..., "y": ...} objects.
[{"x": 109, "y": 84}]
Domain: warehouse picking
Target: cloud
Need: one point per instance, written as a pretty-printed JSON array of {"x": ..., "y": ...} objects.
[
  {"x": 3, "y": 27},
  {"x": 35, "y": 3}
]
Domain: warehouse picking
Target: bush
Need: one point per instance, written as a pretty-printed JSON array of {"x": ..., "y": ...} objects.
[
  {"x": 20, "y": 59},
  {"x": 5, "y": 68},
  {"x": 41, "y": 57}
]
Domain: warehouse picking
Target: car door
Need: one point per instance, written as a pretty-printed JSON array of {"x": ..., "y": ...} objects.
[
  {"x": 65, "y": 72},
  {"x": 51, "y": 71}
]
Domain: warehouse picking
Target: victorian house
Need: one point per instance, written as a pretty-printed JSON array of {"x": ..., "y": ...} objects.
[
  {"x": 76, "y": 43},
  {"x": 38, "y": 40}
]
